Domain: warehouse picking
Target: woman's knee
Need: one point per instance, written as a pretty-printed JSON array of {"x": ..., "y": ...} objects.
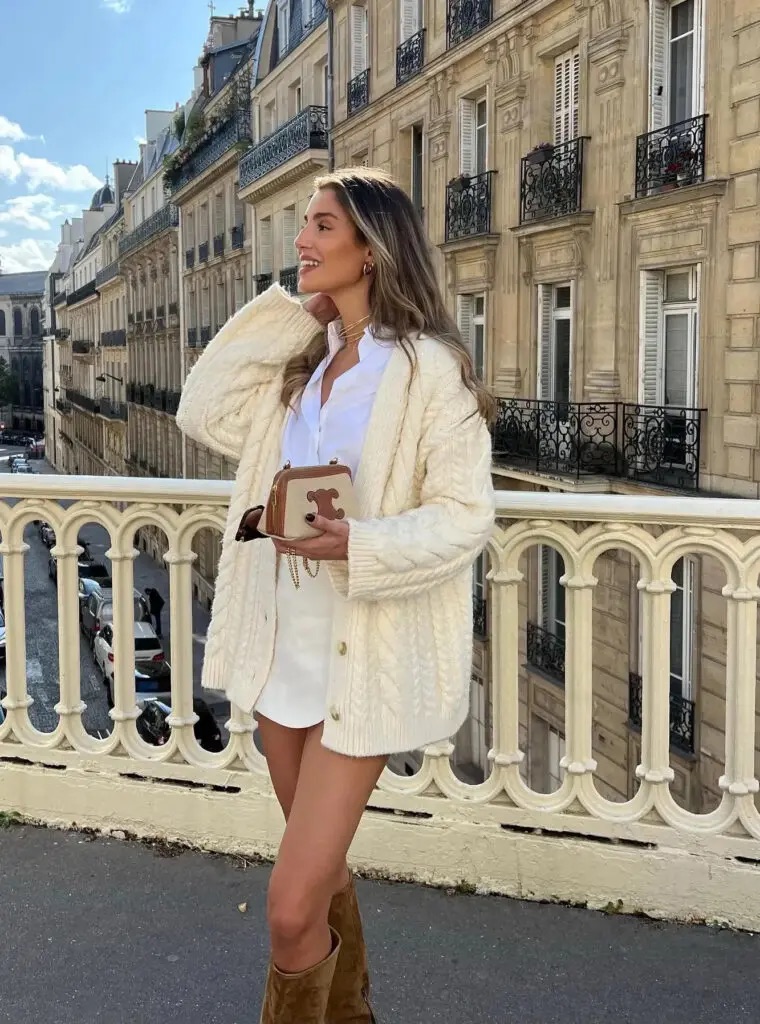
[{"x": 294, "y": 909}]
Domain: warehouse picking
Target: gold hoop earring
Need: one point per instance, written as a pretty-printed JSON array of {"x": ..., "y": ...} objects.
[{"x": 368, "y": 268}]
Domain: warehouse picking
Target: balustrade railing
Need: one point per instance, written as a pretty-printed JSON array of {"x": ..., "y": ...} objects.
[
  {"x": 263, "y": 281},
  {"x": 113, "y": 410},
  {"x": 83, "y": 401},
  {"x": 661, "y": 444},
  {"x": 107, "y": 274},
  {"x": 358, "y": 91},
  {"x": 205, "y": 335},
  {"x": 80, "y": 347},
  {"x": 551, "y": 181},
  {"x": 192, "y": 336},
  {"x": 671, "y": 157},
  {"x": 289, "y": 279},
  {"x": 546, "y": 651},
  {"x": 237, "y": 129},
  {"x": 189, "y": 258},
  {"x": 237, "y": 236},
  {"x": 410, "y": 57},
  {"x": 464, "y": 18},
  {"x": 307, "y": 130},
  {"x": 469, "y": 205},
  {"x": 163, "y": 219},
  {"x": 203, "y": 252},
  {"x": 682, "y": 714},
  {"x": 113, "y": 339},
  {"x": 218, "y": 245},
  {"x": 80, "y": 294}
]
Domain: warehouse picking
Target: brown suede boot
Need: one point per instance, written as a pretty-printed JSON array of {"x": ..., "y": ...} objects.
[
  {"x": 300, "y": 998},
  {"x": 349, "y": 995}
]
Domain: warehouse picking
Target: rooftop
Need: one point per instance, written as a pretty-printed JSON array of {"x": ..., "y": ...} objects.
[{"x": 27, "y": 283}]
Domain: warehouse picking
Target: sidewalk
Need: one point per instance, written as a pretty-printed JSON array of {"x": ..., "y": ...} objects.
[{"x": 102, "y": 931}]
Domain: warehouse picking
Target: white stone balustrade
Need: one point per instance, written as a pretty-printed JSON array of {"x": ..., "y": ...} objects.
[{"x": 573, "y": 844}]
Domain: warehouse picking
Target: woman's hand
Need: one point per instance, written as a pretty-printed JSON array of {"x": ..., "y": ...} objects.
[
  {"x": 330, "y": 546},
  {"x": 322, "y": 308}
]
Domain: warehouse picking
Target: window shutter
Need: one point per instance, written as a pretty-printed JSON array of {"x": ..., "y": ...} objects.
[
  {"x": 410, "y": 18},
  {"x": 464, "y": 320},
  {"x": 659, "y": 11},
  {"x": 545, "y": 389},
  {"x": 467, "y": 136},
  {"x": 205, "y": 307},
  {"x": 289, "y": 258},
  {"x": 650, "y": 338},
  {"x": 544, "y": 586},
  {"x": 219, "y": 214},
  {"x": 283, "y": 29},
  {"x": 359, "y": 27},
  {"x": 567, "y": 70},
  {"x": 265, "y": 246}
]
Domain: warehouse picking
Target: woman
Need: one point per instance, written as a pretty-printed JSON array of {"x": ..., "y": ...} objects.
[{"x": 372, "y": 655}]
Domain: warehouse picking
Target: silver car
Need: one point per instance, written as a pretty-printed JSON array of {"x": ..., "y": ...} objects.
[{"x": 98, "y": 610}]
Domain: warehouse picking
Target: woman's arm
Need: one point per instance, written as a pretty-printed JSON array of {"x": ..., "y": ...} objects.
[
  {"x": 219, "y": 396},
  {"x": 400, "y": 555}
]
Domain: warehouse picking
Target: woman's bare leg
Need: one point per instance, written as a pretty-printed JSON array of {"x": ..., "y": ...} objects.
[
  {"x": 283, "y": 749},
  {"x": 331, "y": 794}
]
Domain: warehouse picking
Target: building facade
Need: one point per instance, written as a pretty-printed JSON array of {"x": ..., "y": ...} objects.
[{"x": 22, "y": 316}]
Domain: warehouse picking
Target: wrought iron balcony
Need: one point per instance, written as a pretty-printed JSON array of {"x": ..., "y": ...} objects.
[
  {"x": 468, "y": 205},
  {"x": 681, "y": 714},
  {"x": 83, "y": 401},
  {"x": 163, "y": 219},
  {"x": 237, "y": 236},
  {"x": 63, "y": 406},
  {"x": 62, "y": 333},
  {"x": 79, "y": 294},
  {"x": 218, "y": 245},
  {"x": 479, "y": 616},
  {"x": 130, "y": 319},
  {"x": 358, "y": 92},
  {"x": 546, "y": 652},
  {"x": 189, "y": 258},
  {"x": 410, "y": 57},
  {"x": 205, "y": 335},
  {"x": 307, "y": 130},
  {"x": 107, "y": 274},
  {"x": 80, "y": 347},
  {"x": 671, "y": 157},
  {"x": 557, "y": 437},
  {"x": 203, "y": 252},
  {"x": 289, "y": 279},
  {"x": 300, "y": 29},
  {"x": 59, "y": 298},
  {"x": 172, "y": 401},
  {"x": 113, "y": 339},
  {"x": 192, "y": 336},
  {"x": 149, "y": 314},
  {"x": 113, "y": 410},
  {"x": 139, "y": 316},
  {"x": 173, "y": 309},
  {"x": 160, "y": 310},
  {"x": 660, "y": 444},
  {"x": 263, "y": 281},
  {"x": 551, "y": 181},
  {"x": 219, "y": 141},
  {"x": 466, "y": 17},
  {"x": 131, "y": 391}
]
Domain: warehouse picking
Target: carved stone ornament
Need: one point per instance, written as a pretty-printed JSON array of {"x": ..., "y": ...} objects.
[
  {"x": 438, "y": 137},
  {"x": 504, "y": 53},
  {"x": 526, "y": 259}
]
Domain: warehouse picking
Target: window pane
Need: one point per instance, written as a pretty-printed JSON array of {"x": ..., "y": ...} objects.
[
  {"x": 561, "y": 361},
  {"x": 478, "y": 354},
  {"x": 681, "y": 75},
  {"x": 678, "y": 287},
  {"x": 681, "y": 18},
  {"x": 677, "y": 359},
  {"x": 480, "y": 304},
  {"x": 676, "y": 631},
  {"x": 562, "y": 297}
]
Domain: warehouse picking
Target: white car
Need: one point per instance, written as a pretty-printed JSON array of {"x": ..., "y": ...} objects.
[{"x": 152, "y": 670}]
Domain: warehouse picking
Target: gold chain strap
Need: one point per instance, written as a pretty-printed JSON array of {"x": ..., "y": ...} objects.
[{"x": 293, "y": 568}]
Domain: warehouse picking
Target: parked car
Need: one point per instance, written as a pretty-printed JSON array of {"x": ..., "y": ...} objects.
[
  {"x": 153, "y": 727},
  {"x": 98, "y": 610},
  {"x": 85, "y": 570},
  {"x": 2, "y": 638},
  {"x": 21, "y": 466},
  {"x": 152, "y": 671},
  {"x": 87, "y": 587}
]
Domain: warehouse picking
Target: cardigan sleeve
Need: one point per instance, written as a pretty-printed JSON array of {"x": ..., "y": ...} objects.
[
  {"x": 400, "y": 555},
  {"x": 219, "y": 396}
]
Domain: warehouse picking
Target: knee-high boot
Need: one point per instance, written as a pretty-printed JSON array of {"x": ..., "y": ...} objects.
[
  {"x": 349, "y": 994},
  {"x": 300, "y": 998}
]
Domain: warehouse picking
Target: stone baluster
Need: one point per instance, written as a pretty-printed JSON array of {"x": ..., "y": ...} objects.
[
  {"x": 182, "y": 718},
  {"x": 125, "y": 709},
  {"x": 655, "y": 681},
  {"x": 741, "y": 645},
  {"x": 17, "y": 700},
  {"x": 70, "y": 705},
  {"x": 504, "y": 598},
  {"x": 578, "y": 758}
]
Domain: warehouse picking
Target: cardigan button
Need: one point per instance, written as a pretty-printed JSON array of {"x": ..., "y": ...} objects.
[
  {"x": 334, "y": 714},
  {"x": 342, "y": 648}
]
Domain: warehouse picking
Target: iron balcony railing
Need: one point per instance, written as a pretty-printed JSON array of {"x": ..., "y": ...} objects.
[
  {"x": 661, "y": 444},
  {"x": 107, "y": 274},
  {"x": 237, "y": 236},
  {"x": 173, "y": 309},
  {"x": 479, "y": 616},
  {"x": 681, "y": 714},
  {"x": 464, "y": 18},
  {"x": 139, "y": 316},
  {"x": 63, "y": 406},
  {"x": 205, "y": 335},
  {"x": 219, "y": 245},
  {"x": 546, "y": 652},
  {"x": 148, "y": 314},
  {"x": 671, "y": 157},
  {"x": 220, "y": 141},
  {"x": 358, "y": 91},
  {"x": 658, "y": 445},
  {"x": 113, "y": 339},
  {"x": 203, "y": 252},
  {"x": 307, "y": 130},
  {"x": 300, "y": 28},
  {"x": 80, "y": 347},
  {"x": 62, "y": 333},
  {"x": 172, "y": 401},
  {"x": 551, "y": 181},
  {"x": 410, "y": 57},
  {"x": 113, "y": 410},
  {"x": 263, "y": 281},
  {"x": 468, "y": 205},
  {"x": 192, "y": 336},
  {"x": 289, "y": 279},
  {"x": 58, "y": 298},
  {"x": 79, "y": 294},
  {"x": 163, "y": 219},
  {"x": 83, "y": 401},
  {"x": 189, "y": 258}
]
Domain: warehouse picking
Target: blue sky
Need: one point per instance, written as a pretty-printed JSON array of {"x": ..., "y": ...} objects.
[{"x": 78, "y": 78}]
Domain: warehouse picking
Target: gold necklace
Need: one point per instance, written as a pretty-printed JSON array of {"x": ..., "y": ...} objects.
[{"x": 344, "y": 331}]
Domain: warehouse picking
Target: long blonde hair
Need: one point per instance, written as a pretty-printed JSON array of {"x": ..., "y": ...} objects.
[{"x": 404, "y": 296}]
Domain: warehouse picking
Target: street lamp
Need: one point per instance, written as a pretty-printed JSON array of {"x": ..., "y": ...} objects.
[{"x": 101, "y": 378}]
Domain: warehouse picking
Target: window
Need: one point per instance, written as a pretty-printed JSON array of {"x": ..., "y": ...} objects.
[
  {"x": 567, "y": 70},
  {"x": 294, "y": 99},
  {"x": 411, "y": 18},
  {"x": 682, "y": 629},
  {"x": 265, "y": 245},
  {"x": 270, "y": 117},
  {"x": 34, "y": 321},
  {"x": 289, "y": 255},
  {"x": 669, "y": 333},
  {"x": 551, "y": 593},
  {"x": 219, "y": 214},
  {"x": 417, "y": 192},
  {"x": 555, "y": 314},
  {"x": 283, "y": 26},
  {"x": 675, "y": 61},
  {"x": 473, "y": 136},
  {"x": 359, "y": 40},
  {"x": 547, "y": 748},
  {"x": 205, "y": 307},
  {"x": 471, "y": 320},
  {"x": 18, "y": 323},
  {"x": 2, "y": 323}
]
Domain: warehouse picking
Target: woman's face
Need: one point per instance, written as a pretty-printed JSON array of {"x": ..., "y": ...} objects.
[{"x": 331, "y": 257}]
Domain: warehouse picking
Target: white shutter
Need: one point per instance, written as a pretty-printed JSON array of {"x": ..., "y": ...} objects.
[
  {"x": 219, "y": 214},
  {"x": 205, "y": 307},
  {"x": 359, "y": 48},
  {"x": 464, "y": 319},
  {"x": 265, "y": 246},
  {"x": 545, "y": 389},
  {"x": 289, "y": 257},
  {"x": 659, "y": 11},
  {"x": 467, "y": 137},
  {"x": 283, "y": 28},
  {"x": 567, "y": 70},
  {"x": 650, "y": 338},
  {"x": 544, "y": 586},
  {"x": 410, "y": 18}
]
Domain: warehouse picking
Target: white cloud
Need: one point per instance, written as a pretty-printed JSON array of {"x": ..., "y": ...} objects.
[
  {"x": 28, "y": 254},
  {"x": 118, "y": 6},
  {"x": 11, "y": 130},
  {"x": 35, "y": 212},
  {"x": 140, "y": 140},
  {"x": 42, "y": 173},
  {"x": 9, "y": 168}
]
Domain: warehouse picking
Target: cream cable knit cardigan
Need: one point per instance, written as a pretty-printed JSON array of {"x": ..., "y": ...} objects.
[{"x": 402, "y": 631}]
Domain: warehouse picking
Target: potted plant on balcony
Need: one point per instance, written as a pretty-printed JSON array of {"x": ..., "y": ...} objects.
[
  {"x": 541, "y": 153},
  {"x": 670, "y": 175},
  {"x": 460, "y": 183}
]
